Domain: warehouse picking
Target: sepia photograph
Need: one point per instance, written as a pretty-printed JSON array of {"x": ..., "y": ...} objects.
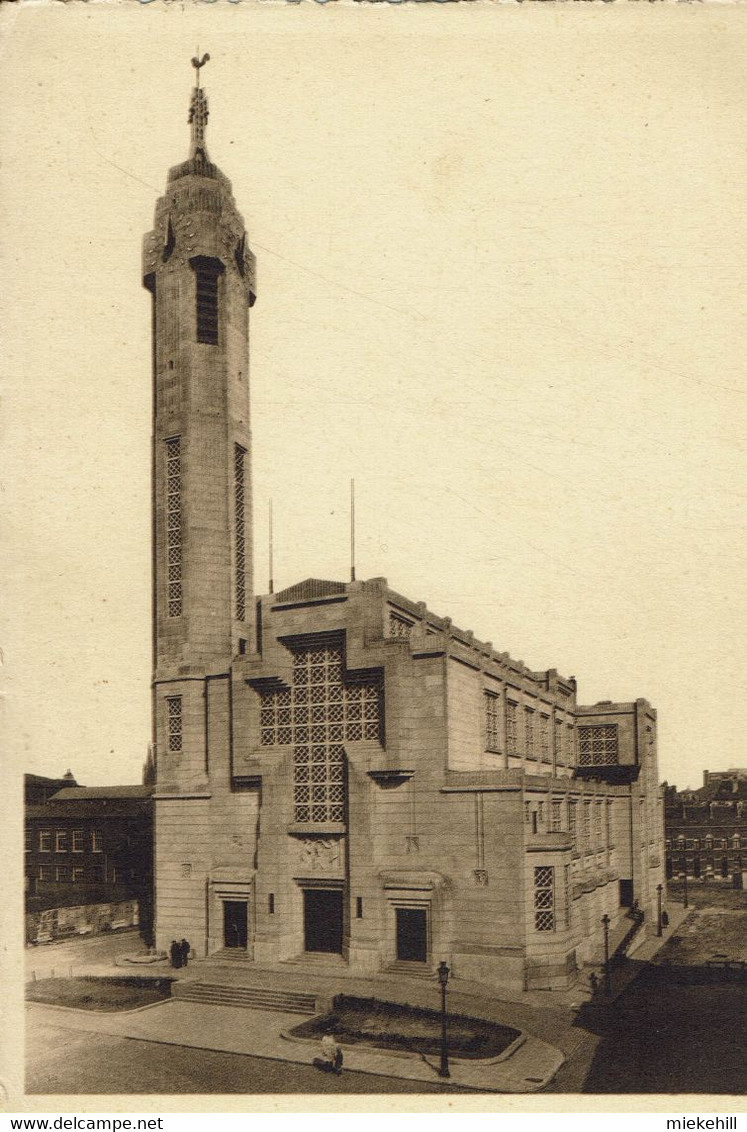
[{"x": 374, "y": 499}]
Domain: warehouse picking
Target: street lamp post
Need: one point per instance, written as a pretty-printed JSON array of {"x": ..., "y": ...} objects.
[
  {"x": 606, "y": 926},
  {"x": 659, "y": 890},
  {"x": 684, "y": 881},
  {"x": 443, "y": 978}
]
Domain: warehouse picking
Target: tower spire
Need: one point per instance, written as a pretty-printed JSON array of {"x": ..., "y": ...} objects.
[{"x": 198, "y": 110}]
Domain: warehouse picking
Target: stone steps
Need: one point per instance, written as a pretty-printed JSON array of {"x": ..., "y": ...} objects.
[{"x": 251, "y": 998}]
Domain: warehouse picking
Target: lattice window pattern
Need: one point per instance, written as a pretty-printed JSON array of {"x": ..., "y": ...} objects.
[
  {"x": 174, "y": 711},
  {"x": 512, "y": 738},
  {"x": 239, "y": 459},
  {"x": 597, "y": 746},
  {"x": 492, "y": 721},
  {"x": 399, "y": 626},
  {"x": 529, "y": 731},
  {"x": 174, "y": 526},
  {"x": 544, "y": 898},
  {"x": 318, "y": 714}
]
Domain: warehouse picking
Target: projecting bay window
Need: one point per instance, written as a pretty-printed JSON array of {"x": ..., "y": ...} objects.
[
  {"x": 492, "y": 704},
  {"x": 544, "y": 898},
  {"x": 597, "y": 746}
]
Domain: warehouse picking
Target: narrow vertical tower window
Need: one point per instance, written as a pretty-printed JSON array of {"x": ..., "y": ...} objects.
[
  {"x": 174, "y": 704},
  {"x": 174, "y": 525},
  {"x": 239, "y": 458},
  {"x": 206, "y": 292}
]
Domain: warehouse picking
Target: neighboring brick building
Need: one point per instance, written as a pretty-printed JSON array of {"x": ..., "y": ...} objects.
[
  {"x": 88, "y": 845},
  {"x": 340, "y": 771},
  {"x": 706, "y": 829},
  {"x": 37, "y": 789}
]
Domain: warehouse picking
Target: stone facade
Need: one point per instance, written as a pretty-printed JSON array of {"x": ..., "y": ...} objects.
[{"x": 340, "y": 771}]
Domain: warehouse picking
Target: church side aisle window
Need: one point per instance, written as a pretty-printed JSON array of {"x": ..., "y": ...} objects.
[
  {"x": 318, "y": 714},
  {"x": 240, "y": 530},
  {"x": 492, "y": 721},
  {"x": 174, "y": 525}
]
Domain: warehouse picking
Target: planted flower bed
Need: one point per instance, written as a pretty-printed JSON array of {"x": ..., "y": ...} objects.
[
  {"x": 87, "y": 992},
  {"x": 387, "y": 1025}
]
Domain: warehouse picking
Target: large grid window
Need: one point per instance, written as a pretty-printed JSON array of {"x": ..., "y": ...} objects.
[
  {"x": 529, "y": 731},
  {"x": 512, "y": 725},
  {"x": 206, "y": 291},
  {"x": 544, "y": 898},
  {"x": 239, "y": 457},
  {"x": 174, "y": 525},
  {"x": 492, "y": 721},
  {"x": 597, "y": 746},
  {"x": 318, "y": 714},
  {"x": 174, "y": 715}
]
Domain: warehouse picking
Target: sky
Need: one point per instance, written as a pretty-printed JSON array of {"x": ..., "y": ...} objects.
[{"x": 499, "y": 284}]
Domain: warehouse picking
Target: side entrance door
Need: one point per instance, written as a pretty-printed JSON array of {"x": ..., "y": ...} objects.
[
  {"x": 235, "y": 923},
  {"x": 412, "y": 934}
]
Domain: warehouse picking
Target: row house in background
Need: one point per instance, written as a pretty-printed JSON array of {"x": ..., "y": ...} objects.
[
  {"x": 706, "y": 829},
  {"x": 87, "y": 845}
]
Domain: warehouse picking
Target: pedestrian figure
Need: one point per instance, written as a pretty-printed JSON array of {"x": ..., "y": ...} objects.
[
  {"x": 665, "y": 919},
  {"x": 175, "y": 953},
  {"x": 331, "y": 1059},
  {"x": 184, "y": 948},
  {"x": 594, "y": 982}
]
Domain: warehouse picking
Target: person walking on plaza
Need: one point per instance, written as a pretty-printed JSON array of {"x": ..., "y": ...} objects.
[
  {"x": 175, "y": 954},
  {"x": 184, "y": 948}
]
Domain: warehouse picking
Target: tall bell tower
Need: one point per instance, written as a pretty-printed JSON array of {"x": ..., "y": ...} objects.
[{"x": 200, "y": 272}]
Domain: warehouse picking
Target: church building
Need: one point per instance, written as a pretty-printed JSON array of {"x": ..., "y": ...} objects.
[{"x": 344, "y": 777}]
